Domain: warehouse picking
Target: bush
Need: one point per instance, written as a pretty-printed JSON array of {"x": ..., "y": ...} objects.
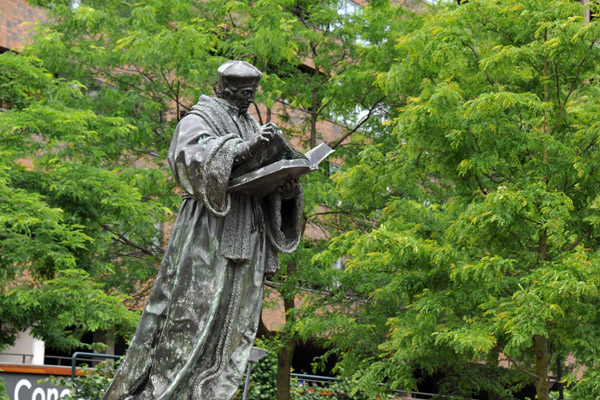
[
  {"x": 95, "y": 381},
  {"x": 90, "y": 386},
  {"x": 3, "y": 394},
  {"x": 263, "y": 382}
]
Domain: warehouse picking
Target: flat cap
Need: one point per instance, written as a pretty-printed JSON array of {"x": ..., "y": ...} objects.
[{"x": 235, "y": 74}]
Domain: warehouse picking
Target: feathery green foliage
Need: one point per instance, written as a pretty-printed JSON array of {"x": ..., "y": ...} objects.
[
  {"x": 59, "y": 189},
  {"x": 135, "y": 68},
  {"x": 484, "y": 200}
]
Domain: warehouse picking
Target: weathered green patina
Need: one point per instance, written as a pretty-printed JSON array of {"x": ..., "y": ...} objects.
[{"x": 197, "y": 329}]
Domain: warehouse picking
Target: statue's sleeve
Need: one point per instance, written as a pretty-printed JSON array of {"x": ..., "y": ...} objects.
[
  {"x": 201, "y": 161},
  {"x": 285, "y": 221},
  {"x": 284, "y": 227}
]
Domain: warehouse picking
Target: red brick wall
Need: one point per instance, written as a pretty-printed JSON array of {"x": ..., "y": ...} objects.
[{"x": 13, "y": 34}]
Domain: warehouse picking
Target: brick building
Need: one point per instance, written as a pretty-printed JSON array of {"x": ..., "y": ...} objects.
[{"x": 15, "y": 16}]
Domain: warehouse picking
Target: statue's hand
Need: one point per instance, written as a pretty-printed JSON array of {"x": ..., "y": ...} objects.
[
  {"x": 265, "y": 134},
  {"x": 269, "y": 126},
  {"x": 247, "y": 149},
  {"x": 289, "y": 189}
]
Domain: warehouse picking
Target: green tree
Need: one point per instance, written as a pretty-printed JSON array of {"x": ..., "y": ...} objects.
[
  {"x": 482, "y": 262},
  {"x": 3, "y": 394},
  {"x": 57, "y": 192},
  {"x": 92, "y": 384},
  {"x": 329, "y": 78},
  {"x": 62, "y": 193},
  {"x": 147, "y": 62}
]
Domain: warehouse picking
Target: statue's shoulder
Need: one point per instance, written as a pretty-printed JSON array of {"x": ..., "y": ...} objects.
[
  {"x": 213, "y": 112},
  {"x": 207, "y": 100},
  {"x": 210, "y": 102},
  {"x": 208, "y": 107}
]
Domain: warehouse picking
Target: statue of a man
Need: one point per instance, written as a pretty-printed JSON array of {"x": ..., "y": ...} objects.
[{"x": 195, "y": 335}]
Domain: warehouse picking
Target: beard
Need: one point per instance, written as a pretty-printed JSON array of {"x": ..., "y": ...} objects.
[{"x": 243, "y": 108}]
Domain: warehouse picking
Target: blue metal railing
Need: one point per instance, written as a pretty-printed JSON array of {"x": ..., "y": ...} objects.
[
  {"x": 314, "y": 378},
  {"x": 84, "y": 354}
]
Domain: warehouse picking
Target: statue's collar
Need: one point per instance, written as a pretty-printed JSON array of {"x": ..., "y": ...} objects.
[{"x": 230, "y": 106}]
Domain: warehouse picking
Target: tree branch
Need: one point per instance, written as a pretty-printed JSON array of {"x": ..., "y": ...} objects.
[
  {"x": 579, "y": 239},
  {"x": 325, "y": 104},
  {"x": 517, "y": 238},
  {"x": 513, "y": 362},
  {"x": 123, "y": 239},
  {"x": 326, "y": 293},
  {"x": 492, "y": 23},
  {"x": 483, "y": 190},
  {"x": 557, "y": 85},
  {"x": 175, "y": 93},
  {"x": 571, "y": 90},
  {"x": 258, "y": 113},
  {"x": 360, "y": 123},
  {"x": 487, "y": 76}
]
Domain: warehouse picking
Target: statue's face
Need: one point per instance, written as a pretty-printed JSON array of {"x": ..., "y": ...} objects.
[{"x": 242, "y": 97}]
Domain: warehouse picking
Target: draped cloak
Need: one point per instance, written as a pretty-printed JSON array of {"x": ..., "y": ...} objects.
[{"x": 197, "y": 329}]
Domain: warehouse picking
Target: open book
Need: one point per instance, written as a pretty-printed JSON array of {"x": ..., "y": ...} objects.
[{"x": 266, "y": 179}]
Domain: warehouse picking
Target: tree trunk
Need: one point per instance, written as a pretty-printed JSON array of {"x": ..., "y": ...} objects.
[
  {"x": 314, "y": 108},
  {"x": 540, "y": 343},
  {"x": 286, "y": 350},
  {"x": 542, "y": 384},
  {"x": 284, "y": 369}
]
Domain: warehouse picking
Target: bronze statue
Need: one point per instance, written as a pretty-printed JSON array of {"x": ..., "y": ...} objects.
[{"x": 195, "y": 335}]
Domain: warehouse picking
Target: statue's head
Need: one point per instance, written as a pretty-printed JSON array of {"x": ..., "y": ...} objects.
[{"x": 237, "y": 82}]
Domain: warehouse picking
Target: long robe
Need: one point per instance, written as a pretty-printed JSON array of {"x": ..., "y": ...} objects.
[{"x": 197, "y": 329}]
